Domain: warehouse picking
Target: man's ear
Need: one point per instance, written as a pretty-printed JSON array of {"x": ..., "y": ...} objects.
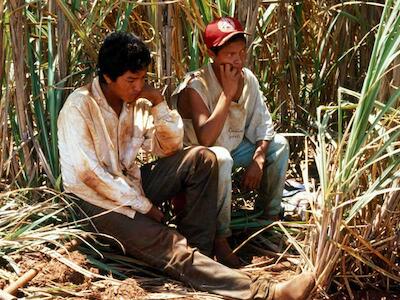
[
  {"x": 107, "y": 78},
  {"x": 211, "y": 53}
]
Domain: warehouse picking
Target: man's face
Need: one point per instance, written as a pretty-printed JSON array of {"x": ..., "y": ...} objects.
[
  {"x": 128, "y": 86},
  {"x": 233, "y": 54}
]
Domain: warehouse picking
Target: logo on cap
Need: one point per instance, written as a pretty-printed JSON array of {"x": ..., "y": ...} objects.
[
  {"x": 220, "y": 30},
  {"x": 226, "y": 25}
]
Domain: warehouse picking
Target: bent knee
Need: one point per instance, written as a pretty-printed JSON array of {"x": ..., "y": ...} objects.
[
  {"x": 224, "y": 157},
  {"x": 281, "y": 142},
  {"x": 204, "y": 154}
]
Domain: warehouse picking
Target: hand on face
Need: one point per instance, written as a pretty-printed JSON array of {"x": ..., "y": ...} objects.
[
  {"x": 230, "y": 80},
  {"x": 152, "y": 94}
]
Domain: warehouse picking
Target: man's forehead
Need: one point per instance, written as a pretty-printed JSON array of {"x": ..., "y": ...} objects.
[
  {"x": 233, "y": 46},
  {"x": 135, "y": 74}
]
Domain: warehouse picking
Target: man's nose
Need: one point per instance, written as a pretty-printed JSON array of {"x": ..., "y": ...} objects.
[{"x": 238, "y": 60}]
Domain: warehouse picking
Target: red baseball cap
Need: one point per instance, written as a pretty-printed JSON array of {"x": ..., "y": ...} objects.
[{"x": 220, "y": 30}]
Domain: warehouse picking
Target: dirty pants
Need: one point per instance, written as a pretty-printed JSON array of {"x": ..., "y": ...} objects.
[
  {"x": 271, "y": 186},
  {"x": 194, "y": 171}
]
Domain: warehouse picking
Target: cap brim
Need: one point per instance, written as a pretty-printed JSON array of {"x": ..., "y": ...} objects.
[{"x": 229, "y": 36}]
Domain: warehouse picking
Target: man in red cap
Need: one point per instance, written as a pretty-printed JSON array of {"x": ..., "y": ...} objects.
[{"x": 223, "y": 108}]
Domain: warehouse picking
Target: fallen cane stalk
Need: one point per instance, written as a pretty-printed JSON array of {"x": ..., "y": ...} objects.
[{"x": 13, "y": 288}]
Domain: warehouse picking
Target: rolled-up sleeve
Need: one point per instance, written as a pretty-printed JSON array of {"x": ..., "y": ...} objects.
[
  {"x": 82, "y": 169},
  {"x": 167, "y": 133}
]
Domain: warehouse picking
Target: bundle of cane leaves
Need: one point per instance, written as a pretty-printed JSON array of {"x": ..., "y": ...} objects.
[{"x": 356, "y": 212}]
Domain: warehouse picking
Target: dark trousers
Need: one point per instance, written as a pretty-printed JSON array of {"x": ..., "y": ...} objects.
[{"x": 195, "y": 172}]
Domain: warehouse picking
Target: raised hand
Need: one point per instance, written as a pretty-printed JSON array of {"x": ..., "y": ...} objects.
[
  {"x": 230, "y": 80},
  {"x": 152, "y": 94}
]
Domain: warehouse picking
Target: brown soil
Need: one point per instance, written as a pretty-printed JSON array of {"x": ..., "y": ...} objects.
[
  {"x": 29, "y": 260},
  {"x": 70, "y": 283},
  {"x": 66, "y": 283},
  {"x": 129, "y": 289},
  {"x": 57, "y": 272}
]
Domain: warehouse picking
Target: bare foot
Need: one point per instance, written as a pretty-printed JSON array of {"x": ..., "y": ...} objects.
[
  {"x": 224, "y": 253},
  {"x": 281, "y": 266},
  {"x": 297, "y": 288}
]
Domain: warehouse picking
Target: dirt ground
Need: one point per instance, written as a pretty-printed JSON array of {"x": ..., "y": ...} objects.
[
  {"x": 64, "y": 282},
  {"x": 58, "y": 281}
]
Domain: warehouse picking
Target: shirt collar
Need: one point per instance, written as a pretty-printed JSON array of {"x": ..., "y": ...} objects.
[{"x": 100, "y": 98}]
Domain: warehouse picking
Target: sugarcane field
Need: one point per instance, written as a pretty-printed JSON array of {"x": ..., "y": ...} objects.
[{"x": 200, "y": 149}]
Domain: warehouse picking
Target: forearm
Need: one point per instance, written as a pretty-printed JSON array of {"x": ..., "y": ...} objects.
[
  {"x": 260, "y": 152},
  {"x": 209, "y": 129}
]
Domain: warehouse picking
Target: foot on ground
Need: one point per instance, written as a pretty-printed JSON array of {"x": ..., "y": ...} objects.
[
  {"x": 297, "y": 288},
  {"x": 224, "y": 254}
]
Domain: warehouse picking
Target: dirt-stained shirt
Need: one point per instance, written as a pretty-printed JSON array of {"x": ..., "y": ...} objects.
[
  {"x": 248, "y": 117},
  {"x": 98, "y": 148}
]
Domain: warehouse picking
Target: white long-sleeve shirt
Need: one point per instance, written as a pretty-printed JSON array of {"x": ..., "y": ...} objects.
[
  {"x": 248, "y": 117},
  {"x": 98, "y": 149}
]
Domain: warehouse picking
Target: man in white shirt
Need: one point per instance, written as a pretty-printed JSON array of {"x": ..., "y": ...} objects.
[
  {"x": 101, "y": 128},
  {"x": 223, "y": 108}
]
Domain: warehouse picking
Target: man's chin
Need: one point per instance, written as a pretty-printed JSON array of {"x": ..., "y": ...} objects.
[{"x": 132, "y": 99}]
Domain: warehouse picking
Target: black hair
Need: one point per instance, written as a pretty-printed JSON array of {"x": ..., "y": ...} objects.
[
  {"x": 121, "y": 52},
  {"x": 234, "y": 38}
]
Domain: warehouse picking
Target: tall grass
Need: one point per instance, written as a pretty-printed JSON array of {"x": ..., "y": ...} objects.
[
  {"x": 300, "y": 59},
  {"x": 359, "y": 169}
]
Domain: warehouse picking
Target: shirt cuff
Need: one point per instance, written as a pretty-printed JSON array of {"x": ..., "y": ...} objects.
[
  {"x": 266, "y": 138},
  {"x": 140, "y": 204},
  {"x": 145, "y": 205},
  {"x": 265, "y": 134}
]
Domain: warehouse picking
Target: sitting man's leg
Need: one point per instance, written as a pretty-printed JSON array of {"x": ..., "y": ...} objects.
[
  {"x": 193, "y": 171},
  {"x": 167, "y": 250},
  {"x": 222, "y": 249},
  {"x": 273, "y": 180}
]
